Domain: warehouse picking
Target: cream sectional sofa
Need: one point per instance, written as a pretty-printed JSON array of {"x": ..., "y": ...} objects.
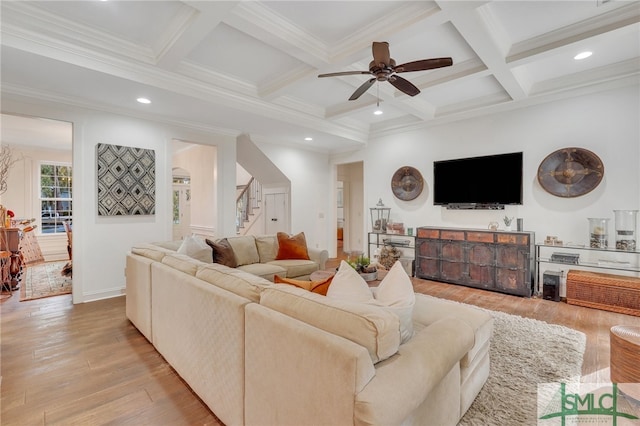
[
  {"x": 257, "y": 255},
  {"x": 259, "y": 353}
]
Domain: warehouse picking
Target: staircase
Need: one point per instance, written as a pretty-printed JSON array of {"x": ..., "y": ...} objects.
[{"x": 248, "y": 203}]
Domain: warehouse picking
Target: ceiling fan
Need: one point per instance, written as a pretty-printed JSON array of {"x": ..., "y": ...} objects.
[{"x": 384, "y": 68}]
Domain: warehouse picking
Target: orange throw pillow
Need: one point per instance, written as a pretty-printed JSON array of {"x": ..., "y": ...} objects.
[
  {"x": 306, "y": 285},
  {"x": 319, "y": 287},
  {"x": 292, "y": 247}
]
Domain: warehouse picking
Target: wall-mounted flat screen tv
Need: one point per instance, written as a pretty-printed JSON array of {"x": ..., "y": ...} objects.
[{"x": 478, "y": 182}]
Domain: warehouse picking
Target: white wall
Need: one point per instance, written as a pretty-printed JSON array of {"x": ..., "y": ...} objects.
[
  {"x": 606, "y": 123},
  {"x": 101, "y": 243},
  {"x": 313, "y": 192}
]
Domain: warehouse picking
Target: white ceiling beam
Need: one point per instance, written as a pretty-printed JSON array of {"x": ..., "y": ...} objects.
[
  {"x": 23, "y": 19},
  {"x": 624, "y": 18},
  {"x": 262, "y": 23},
  {"x": 188, "y": 29},
  {"x": 477, "y": 27}
]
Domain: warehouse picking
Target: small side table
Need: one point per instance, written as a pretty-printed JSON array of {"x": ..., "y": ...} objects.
[{"x": 625, "y": 359}]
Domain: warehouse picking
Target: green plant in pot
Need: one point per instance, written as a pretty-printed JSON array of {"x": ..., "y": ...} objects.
[{"x": 362, "y": 265}]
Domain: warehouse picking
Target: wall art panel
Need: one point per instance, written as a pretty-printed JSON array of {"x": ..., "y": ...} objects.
[{"x": 126, "y": 180}]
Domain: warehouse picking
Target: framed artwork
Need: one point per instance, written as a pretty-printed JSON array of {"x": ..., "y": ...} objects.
[{"x": 126, "y": 180}]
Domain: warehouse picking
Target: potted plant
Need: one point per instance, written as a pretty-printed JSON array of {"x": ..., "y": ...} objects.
[{"x": 362, "y": 265}]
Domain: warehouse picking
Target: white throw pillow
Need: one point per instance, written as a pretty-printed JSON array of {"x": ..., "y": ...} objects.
[
  {"x": 347, "y": 284},
  {"x": 196, "y": 248},
  {"x": 395, "y": 293}
]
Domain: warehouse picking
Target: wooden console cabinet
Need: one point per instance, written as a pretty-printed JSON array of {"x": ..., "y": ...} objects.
[{"x": 492, "y": 260}]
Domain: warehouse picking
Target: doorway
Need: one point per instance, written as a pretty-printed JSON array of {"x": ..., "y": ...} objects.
[
  {"x": 276, "y": 207},
  {"x": 181, "y": 203},
  {"x": 350, "y": 190},
  {"x": 39, "y": 192}
]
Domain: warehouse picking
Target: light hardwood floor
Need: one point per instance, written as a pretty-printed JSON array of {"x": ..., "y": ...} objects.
[{"x": 86, "y": 364}]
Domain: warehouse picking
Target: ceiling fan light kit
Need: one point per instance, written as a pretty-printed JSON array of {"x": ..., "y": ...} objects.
[{"x": 384, "y": 68}]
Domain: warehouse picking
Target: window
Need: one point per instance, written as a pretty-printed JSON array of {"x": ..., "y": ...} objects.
[{"x": 55, "y": 196}]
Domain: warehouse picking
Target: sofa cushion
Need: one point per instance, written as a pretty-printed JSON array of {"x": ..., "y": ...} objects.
[
  {"x": 222, "y": 252},
  {"x": 395, "y": 293},
  {"x": 267, "y": 246},
  {"x": 238, "y": 282},
  {"x": 264, "y": 270},
  {"x": 244, "y": 249},
  {"x": 292, "y": 246},
  {"x": 182, "y": 262},
  {"x": 296, "y": 267},
  {"x": 197, "y": 248},
  {"x": 169, "y": 245},
  {"x": 369, "y": 326},
  {"x": 319, "y": 286},
  {"x": 150, "y": 251},
  {"x": 430, "y": 309}
]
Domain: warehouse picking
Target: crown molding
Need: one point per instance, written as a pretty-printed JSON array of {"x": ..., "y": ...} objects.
[
  {"x": 40, "y": 96},
  {"x": 462, "y": 114},
  {"x": 23, "y": 20},
  {"x": 171, "y": 81}
]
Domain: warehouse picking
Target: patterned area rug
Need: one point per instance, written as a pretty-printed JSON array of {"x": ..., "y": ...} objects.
[{"x": 44, "y": 280}]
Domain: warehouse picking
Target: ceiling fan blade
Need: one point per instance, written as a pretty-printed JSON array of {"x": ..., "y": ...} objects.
[
  {"x": 404, "y": 85},
  {"x": 424, "y": 64},
  {"x": 365, "y": 86},
  {"x": 336, "y": 74},
  {"x": 381, "y": 53}
]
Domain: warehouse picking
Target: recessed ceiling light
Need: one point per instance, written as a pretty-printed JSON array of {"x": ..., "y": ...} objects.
[
  {"x": 378, "y": 112},
  {"x": 582, "y": 55},
  {"x": 308, "y": 138},
  {"x": 143, "y": 100}
]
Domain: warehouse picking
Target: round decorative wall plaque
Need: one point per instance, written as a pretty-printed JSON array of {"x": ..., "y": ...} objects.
[
  {"x": 407, "y": 183},
  {"x": 570, "y": 172}
]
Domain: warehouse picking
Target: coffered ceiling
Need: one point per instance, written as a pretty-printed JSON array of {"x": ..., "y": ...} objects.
[{"x": 252, "y": 66}]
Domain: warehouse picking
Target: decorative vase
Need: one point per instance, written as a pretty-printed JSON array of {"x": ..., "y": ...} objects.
[
  {"x": 626, "y": 222},
  {"x": 598, "y": 232}
]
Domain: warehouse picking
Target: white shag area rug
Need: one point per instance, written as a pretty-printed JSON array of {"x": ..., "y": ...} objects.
[{"x": 523, "y": 353}]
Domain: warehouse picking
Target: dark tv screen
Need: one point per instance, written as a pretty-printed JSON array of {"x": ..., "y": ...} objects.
[{"x": 488, "y": 180}]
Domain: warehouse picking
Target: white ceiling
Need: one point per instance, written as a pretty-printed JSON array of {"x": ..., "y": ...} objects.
[{"x": 251, "y": 66}]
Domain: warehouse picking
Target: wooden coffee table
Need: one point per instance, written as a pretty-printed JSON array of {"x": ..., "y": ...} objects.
[{"x": 321, "y": 275}]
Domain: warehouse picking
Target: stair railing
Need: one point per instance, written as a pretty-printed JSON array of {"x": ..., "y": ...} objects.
[{"x": 247, "y": 200}]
